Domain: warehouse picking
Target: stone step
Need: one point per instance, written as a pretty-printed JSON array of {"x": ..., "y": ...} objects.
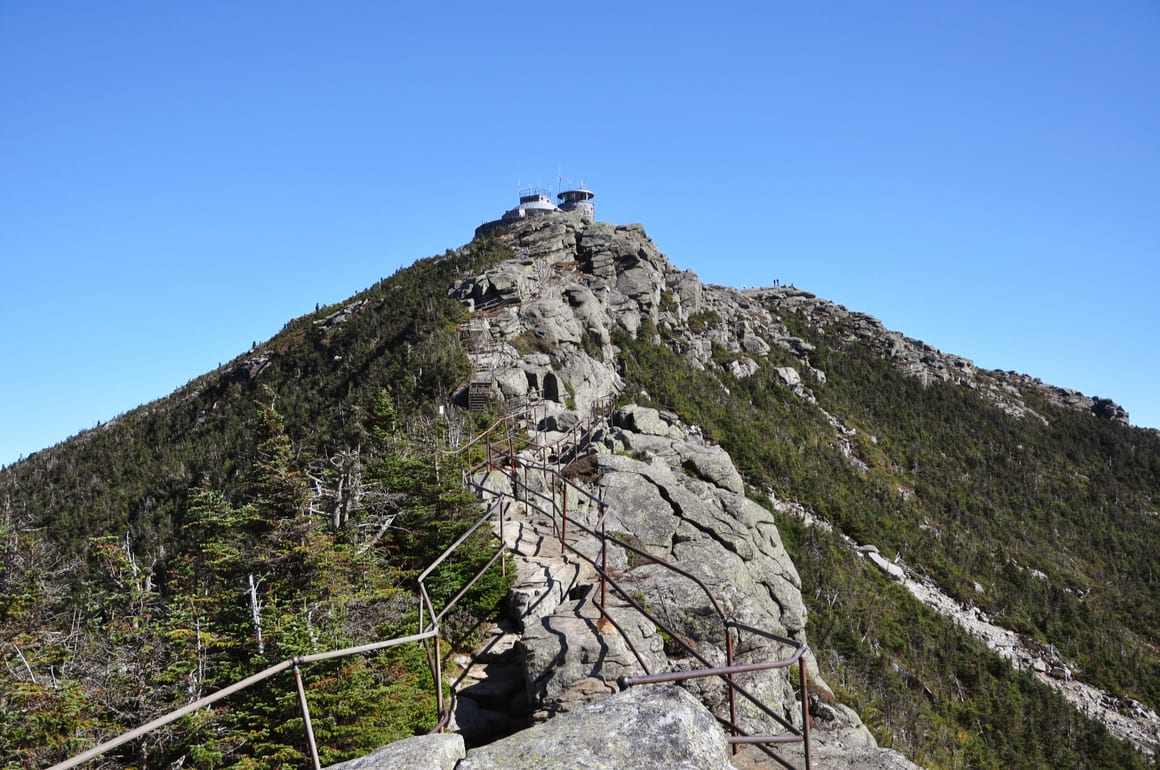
[
  {"x": 545, "y": 577},
  {"x": 490, "y": 689},
  {"x": 500, "y": 646},
  {"x": 574, "y": 655},
  {"x": 494, "y": 685},
  {"x": 541, "y": 585}
]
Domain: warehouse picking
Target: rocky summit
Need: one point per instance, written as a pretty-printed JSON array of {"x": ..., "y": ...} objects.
[
  {"x": 542, "y": 332},
  {"x": 574, "y": 281}
]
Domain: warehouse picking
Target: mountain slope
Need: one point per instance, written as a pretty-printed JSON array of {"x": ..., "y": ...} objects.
[
  {"x": 237, "y": 522},
  {"x": 1024, "y": 500}
]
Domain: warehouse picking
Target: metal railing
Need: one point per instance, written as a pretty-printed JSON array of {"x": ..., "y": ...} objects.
[
  {"x": 431, "y": 629},
  {"x": 556, "y": 508},
  {"x": 295, "y": 663}
]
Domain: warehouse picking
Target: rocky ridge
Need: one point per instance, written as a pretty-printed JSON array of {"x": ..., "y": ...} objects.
[
  {"x": 544, "y": 331},
  {"x": 917, "y": 359},
  {"x": 574, "y": 280}
]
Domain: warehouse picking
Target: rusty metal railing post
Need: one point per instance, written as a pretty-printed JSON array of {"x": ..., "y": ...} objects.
[
  {"x": 564, "y": 520},
  {"x": 552, "y": 482},
  {"x": 502, "y": 542},
  {"x": 603, "y": 558},
  {"x": 511, "y": 444},
  {"x": 306, "y": 717},
  {"x": 732, "y": 689},
  {"x": 439, "y": 674},
  {"x": 805, "y": 710}
]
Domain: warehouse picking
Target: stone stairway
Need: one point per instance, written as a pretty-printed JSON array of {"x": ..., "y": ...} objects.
[
  {"x": 491, "y": 685},
  {"x": 553, "y": 650},
  {"x": 490, "y": 695}
]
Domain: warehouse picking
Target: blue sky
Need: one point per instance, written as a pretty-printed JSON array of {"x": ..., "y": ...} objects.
[{"x": 178, "y": 180}]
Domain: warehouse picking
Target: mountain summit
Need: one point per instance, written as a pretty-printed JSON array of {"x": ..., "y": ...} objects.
[{"x": 624, "y": 259}]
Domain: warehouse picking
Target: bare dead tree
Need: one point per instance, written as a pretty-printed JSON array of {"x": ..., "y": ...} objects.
[
  {"x": 256, "y": 613},
  {"x": 338, "y": 487},
  {"x": 342, "y": 495}
]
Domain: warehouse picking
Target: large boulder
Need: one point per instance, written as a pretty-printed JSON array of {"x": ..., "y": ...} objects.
[
  {"x": 644, "y": 727},
  {"x": 585, "y": 380},
  {"x": 788, "y": 375},
  {"x": 646, "y": 420},
  {"x": 726, "y": 540},
  {"x": 551, "y": 320},
  {"x": 423, "y": 752},
  {"x": 552, "y": 239},
  {"x": 588, "y": 312},
  {"x": 689, "y": 292},
  {"x": 623, "y": 258}
]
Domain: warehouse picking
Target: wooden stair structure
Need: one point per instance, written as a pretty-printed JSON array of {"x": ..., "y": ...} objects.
[{"x": 482, "y": 350}]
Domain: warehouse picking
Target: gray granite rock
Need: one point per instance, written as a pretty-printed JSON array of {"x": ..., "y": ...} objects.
[
  {"x": 645, "y": 727},
  {"x": 422, "y": 752},
  {"x": 595, "y": 654}
]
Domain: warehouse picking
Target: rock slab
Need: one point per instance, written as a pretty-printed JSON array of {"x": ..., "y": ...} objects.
[
  {"x": 648, "y": 726},
  {"x": 423, "y": 752}
]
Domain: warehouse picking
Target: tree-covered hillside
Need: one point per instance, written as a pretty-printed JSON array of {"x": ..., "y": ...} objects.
[
  {"x": 1050, "y": 528},
  {"x": 278, "y": 506}
]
